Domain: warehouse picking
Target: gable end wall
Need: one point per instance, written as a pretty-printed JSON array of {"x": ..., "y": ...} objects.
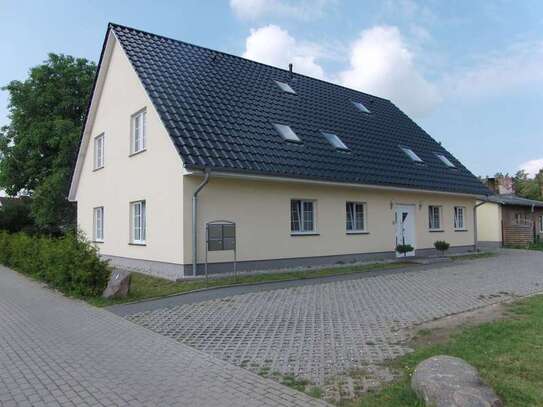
[{"x": 154, "y": 175}]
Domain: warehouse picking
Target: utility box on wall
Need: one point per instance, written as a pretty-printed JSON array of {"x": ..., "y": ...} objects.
[{"x": 221, "y": 236}]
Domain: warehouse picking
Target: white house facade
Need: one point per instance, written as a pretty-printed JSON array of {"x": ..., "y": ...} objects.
[{"x": 145, "y": 187}]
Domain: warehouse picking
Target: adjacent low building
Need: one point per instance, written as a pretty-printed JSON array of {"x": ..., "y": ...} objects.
[
  {"x": 509, "y": 220},
  {"x": 179, "y": 136}
]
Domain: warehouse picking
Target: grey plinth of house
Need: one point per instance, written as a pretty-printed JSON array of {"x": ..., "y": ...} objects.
[{"x": 446, "y": 381}]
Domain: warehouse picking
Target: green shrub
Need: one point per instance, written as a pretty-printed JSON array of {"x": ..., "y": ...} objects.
[
  {"x": 69, "y": 263},
  {"x": 442, "y": 246},
  {"x": 404, "y": 248}
]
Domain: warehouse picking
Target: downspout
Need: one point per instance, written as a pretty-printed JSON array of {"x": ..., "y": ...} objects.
[
  {"x": 475, "y": 244},
  {"x": 195, "y": 221},
  {"x": 533, "y": 224}
]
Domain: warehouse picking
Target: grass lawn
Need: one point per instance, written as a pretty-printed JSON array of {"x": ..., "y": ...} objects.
[
  {"x": 508, "y": 354},
  {"x": 536, "y": 246},
  {"x": 144, "y": 286}
]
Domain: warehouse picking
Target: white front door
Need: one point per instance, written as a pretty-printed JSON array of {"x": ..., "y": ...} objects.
[{"x": 404, "y": 219}]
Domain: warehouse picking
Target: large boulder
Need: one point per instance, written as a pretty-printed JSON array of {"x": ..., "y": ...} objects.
[
  {"x": 118, "y": 285},
  {"x": 452, "y": 382}
]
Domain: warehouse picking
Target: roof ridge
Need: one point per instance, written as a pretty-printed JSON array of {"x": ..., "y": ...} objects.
[{"x": 113, "y": 25}]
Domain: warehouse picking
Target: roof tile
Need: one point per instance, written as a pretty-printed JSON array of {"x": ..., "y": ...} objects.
[{"x": 219, "y": 109}]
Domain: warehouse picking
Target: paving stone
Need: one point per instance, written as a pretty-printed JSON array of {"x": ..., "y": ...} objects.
[
  {"x": 63, "y": 352},
  {"x": 321, "y": 331}
]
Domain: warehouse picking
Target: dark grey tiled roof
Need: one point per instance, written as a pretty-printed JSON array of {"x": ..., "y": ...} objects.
[
  {"x": 219, "y": 110},
  {"x": 515, "y": 200}
]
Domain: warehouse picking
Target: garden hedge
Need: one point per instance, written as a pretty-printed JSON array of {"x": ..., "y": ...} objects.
[{"x": 69, "y": 263}]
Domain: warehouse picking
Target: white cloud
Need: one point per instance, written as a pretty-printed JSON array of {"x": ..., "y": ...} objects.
[
  {"x": 382, "y": 64},
  {"x": 491, "y": 75},
  {"x": 300, "y": 9},
  {"x": 532, "y": 167},
  {"x": 274, "y": 46}
]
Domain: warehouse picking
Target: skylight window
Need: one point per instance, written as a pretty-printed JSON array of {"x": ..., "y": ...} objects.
[
  {"x": 445, "y": 160},
  {"x": 287, "y": 133},
  {"x": 335, "y": 141},
  {"x": 411, "y": 154},
  {"x": 285, "y": 87},
  {"x": 360, "y": 106}
]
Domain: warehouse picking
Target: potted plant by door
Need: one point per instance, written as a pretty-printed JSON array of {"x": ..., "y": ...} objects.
[
  {"x": 442, "y": 246},
  {"x": 404, "y": 249}
]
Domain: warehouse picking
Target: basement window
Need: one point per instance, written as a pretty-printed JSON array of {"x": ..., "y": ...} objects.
[
  {"x": 287, "y": 133},
  {"x": 411, "y": 154},
  {"x": 285, "y": 87},
  {"x": 360, "y": 106},
  {"x": 335, "y": 141},
  {"x": 445, "y": 160}
]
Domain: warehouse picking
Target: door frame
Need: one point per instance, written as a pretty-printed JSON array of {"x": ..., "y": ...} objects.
[{"x": 413, "y": 207}]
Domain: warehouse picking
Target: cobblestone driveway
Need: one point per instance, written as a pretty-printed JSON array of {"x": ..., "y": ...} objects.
[
  {"x": 58, "y": 352},
  {"x": 320, "y": 331}
]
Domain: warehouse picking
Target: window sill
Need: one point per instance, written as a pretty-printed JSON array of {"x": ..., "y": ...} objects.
[
  {"x": 436, "y": 230},
  {"x": 460, "y": 230},
  {"x": 357, "y": 232},
  {"x": 137, "y": 244},
  {"x": 137, "y": 152},
  {"x": 305, "y": 234},
  {"x": 97, "y": 241},
  {"x": 98, "y": 169}
]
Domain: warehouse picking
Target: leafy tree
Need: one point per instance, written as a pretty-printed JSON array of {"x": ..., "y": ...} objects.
[
  {"x": 38, "y": 148},
  {"x": 15, "y": 215},
  {"x": 527, "y": 187}
]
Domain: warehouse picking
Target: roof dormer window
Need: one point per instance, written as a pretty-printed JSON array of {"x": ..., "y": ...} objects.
[
  {"x": 335, "y": 141},
  {"x": 360, "y": 106},
  {"x": 285, "y": 87},
  {"x": 287, "y": 133},
  {"x": 411, "y": 154},
  {"x": 445, "y": 160}
]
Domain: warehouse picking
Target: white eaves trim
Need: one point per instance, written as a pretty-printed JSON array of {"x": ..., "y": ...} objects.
[
  {"x": 317, "y": 182},
  {"x": 95, "y": 99}
]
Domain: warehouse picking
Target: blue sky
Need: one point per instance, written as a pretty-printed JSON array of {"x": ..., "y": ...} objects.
[{"x": 469, "y": 72}]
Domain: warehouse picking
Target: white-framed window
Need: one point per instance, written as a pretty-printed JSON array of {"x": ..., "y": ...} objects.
[
  {"x": 302, "y": 216},
  {"x": 522, "y": 218},
  {"x": 138, "y": 132},
  {"x": 459, "y": 218},
  {"x": 98, "y": 224},
  {"x": 99, "y": 151},
  {"x": 138, "y": 222},
  {"x": 355, "y": 216},
  {"x": 541, "y": 224},
  {"x": 434, "y": 217}
]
